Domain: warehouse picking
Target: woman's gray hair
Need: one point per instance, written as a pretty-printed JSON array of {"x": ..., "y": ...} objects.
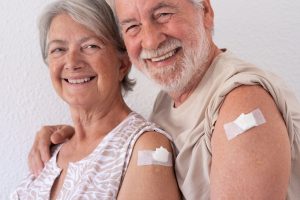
[{"x": 96, "y": 15}]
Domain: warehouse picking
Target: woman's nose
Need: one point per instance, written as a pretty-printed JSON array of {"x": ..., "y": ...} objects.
[{"x": 73, "y": 58}]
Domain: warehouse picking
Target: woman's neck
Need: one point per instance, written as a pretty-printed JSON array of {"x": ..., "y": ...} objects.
[
  {"x": 90, "y": 129},
  {"x": 95, "y": 123}
]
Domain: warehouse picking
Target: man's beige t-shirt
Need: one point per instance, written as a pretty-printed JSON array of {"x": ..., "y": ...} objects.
[{"x": 192, "y": 123}]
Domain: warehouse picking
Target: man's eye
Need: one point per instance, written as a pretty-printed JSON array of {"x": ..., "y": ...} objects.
[
  {"x": 163, "y": 17},
  {"x": 131, "y": 28}
]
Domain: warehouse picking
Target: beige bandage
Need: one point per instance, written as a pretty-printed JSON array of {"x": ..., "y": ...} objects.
[
  {"x": 160, "y": 156},
  {"x": 243, "y": 123}
]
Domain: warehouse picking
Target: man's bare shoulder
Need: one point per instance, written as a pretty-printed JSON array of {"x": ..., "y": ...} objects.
[{"x": 255, "y": 158}]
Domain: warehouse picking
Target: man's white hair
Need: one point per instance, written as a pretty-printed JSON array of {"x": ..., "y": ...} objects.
[
  {"x": 111, "y": 3},
  {"x": 197, "y": 2}
]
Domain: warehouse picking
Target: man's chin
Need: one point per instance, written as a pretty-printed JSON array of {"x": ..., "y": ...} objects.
[
  {"x": 168, "y": 82},
  {"x": 169, "y": 86}
]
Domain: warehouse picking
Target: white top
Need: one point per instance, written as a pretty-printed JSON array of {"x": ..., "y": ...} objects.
[{"x": 97, "y": 176}]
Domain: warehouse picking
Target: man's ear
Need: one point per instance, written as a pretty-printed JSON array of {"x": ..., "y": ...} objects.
[
  {"x": 208, "y": 15},
  {"x": 125, "y": 66}
]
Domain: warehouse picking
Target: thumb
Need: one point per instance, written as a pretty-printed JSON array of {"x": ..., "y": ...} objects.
[{"x": 62, "y": 134}]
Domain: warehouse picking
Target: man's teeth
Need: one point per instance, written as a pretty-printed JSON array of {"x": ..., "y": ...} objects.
[
  {"x": 163, "y": 57},
  {"x": 79, "y": 81}
]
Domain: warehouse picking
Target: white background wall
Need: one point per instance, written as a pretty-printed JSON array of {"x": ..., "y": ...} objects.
[{"x": 266, "y": 33}]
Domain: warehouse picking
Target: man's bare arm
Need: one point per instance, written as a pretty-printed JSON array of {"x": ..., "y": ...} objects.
[
  {"x": 256, "y": 163},
  {"x": 45, "y": 137}
]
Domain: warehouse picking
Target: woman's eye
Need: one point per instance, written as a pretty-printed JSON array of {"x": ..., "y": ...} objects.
[
  {"x": 56, "y": 51},
  {"x": 90, "y": 48}
]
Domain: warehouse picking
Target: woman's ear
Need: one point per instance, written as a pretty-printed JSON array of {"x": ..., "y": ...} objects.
[
  {"x": 125, "y": 66},
  {"x": 208, "y": 15}
]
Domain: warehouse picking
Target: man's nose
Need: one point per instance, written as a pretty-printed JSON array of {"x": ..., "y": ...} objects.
[
  {"x": 152, "y": 36},
  {"x": 73, "y": 58}
]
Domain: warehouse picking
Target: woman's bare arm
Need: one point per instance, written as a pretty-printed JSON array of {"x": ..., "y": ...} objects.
[{"x": 151, "y": 181}]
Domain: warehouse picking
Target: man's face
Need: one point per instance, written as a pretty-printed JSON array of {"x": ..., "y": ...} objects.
[{"x": 166, "y": 39}]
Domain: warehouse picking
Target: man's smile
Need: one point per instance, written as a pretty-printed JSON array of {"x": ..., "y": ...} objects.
[{"x": 165, "y": 56}]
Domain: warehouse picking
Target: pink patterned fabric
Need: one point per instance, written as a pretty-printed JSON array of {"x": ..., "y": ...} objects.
[{"x": 99, "y": 175}]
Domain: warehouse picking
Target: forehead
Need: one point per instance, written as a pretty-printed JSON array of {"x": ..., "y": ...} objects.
[
  {"x": 64, "y": 22},
  {"x": 64, "y": 26},
  {"x": 126, "y": 8}
]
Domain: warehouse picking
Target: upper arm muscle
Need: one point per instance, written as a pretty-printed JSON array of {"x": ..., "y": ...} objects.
[
  {"x": 256, "y": 163},
  {"x": 151, "y": 181}
]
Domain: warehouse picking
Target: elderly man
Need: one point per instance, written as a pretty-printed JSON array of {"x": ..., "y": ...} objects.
[{"x": 236, "y": 128}]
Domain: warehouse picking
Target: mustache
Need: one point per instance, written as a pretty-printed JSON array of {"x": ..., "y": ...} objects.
[{"x": 167, "y": 46}]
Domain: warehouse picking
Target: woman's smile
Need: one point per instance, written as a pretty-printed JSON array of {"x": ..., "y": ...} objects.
[{"x": 79, "y": 80}]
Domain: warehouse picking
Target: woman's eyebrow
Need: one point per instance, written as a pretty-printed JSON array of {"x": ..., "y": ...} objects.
[
  {"x": 84, "y": 39},
  {"x": 56, "y": 41}
]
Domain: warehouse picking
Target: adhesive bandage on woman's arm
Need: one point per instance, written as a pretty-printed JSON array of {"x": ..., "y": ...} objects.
[
  {"x": 160, "y": 156},
  {"x": 243, "y": 123}
]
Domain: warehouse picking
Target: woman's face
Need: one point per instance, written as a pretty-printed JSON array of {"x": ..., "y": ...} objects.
[{"x": 85, "y": 70}]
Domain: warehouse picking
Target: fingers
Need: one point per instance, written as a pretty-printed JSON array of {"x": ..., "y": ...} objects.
[
  {"x": 62, "y": 134},
  {"x": 44, "y": 148},
  {"x": 34, "y": 162},
  {"x": 40, "y": 150}
]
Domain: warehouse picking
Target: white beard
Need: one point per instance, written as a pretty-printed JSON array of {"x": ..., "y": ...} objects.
[{"x": 178, "y": 77}]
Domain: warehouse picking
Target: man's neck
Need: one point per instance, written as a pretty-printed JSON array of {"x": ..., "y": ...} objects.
[{"x": 181, "y": 97}]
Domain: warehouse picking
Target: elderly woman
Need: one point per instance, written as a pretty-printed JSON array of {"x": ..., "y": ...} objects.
[{"x": 111, "y": 155}]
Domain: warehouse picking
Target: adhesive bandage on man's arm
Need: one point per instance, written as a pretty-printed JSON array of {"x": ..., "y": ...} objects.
[
  {"x": 160, "y": 156},
  {"x": 243, "y": 123}
]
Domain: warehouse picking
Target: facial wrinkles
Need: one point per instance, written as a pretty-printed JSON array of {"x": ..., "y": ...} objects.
[
  {"x": 159, "y": 74},
  {"x": 195, "y": 59},
  {"x": 180, "y": 75}
]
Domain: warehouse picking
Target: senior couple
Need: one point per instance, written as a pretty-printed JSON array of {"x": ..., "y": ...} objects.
[{"x": 207, "y": 95}]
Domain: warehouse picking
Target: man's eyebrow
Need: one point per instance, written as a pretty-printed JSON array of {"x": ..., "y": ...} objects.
[
  {"x": 127, "y": 21},
  {"x": 152, "y": 10},
  {"x": 162, "y": 5}
]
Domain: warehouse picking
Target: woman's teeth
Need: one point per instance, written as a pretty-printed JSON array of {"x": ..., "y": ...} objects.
[{"x": 79, "y": 81}]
